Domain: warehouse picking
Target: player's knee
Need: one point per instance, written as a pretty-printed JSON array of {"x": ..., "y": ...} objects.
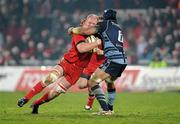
[
  {"x": 95, "y": 78},
  {"x": 52, "y": 77},
  {"x": 110, "y": 83},
  {"x": 82, "y": 85},
  {"x": 60, "y": 89},
  {"x": 52, "y": 94}
]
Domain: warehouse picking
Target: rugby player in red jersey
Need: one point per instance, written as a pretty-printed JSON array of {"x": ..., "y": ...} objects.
[{"x": 67, "y": 71}]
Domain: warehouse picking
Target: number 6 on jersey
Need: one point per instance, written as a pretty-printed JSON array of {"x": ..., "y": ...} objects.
[{"x": 120, "y": 36}]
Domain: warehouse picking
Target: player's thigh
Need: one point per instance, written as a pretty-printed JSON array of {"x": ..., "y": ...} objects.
[
  {"x": 97, "y": 77},
  {"x": 58, "y": 70},
  {"x": 100, "y": 74},
  {"x": 55, "y": 73},
  {"x": 64, "y": 83},
  {"x": 60, "y": 86}
]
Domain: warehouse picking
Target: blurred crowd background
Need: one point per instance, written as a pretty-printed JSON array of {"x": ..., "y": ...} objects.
[{"x": 34, "y": 32}]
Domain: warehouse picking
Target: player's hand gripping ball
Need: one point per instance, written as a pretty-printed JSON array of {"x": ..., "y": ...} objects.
[{"x": 92, "y": 39}]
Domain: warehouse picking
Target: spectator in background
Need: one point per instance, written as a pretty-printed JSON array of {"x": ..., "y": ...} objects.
[
  {"x": 176, "y": 52},
  {"x": 15, "y": 52},
  {"x": 40, "y": 49},
  {"x": 30, "y": 51},
  {"x": 1, "y": 40},
  {"x": 158, "y": 61}
]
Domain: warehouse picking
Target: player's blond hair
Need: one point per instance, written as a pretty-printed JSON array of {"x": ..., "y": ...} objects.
[
  {"x": 92, "y": 15},
  {"x": 88, "y": 16}
]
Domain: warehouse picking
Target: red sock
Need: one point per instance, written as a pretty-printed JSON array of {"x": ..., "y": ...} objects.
[
  {"x": 35, "y": 90},
  {"x": 42, "y": 100},
  {"x": 90, "y": 100}
]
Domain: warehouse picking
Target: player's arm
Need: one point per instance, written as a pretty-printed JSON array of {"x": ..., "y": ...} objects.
[
  {"x": 86, "y": 47},
  {"x": 84, "y": 31}
]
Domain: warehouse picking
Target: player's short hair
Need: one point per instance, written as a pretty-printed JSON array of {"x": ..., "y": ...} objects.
[
  {"x": 91, "y": 15},
  {"x": 88, "y": 16}
]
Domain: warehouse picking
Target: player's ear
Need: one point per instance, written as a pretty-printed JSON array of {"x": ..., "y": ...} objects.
[{"x": 82, "y": 21}]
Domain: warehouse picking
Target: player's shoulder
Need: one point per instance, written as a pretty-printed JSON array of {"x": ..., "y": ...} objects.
[
  {"x": 76, "y": 38},
  {"x": 77, "y": 35},
  {"x": 115, "y": 24},
  {"x": 101, "y": 26}
]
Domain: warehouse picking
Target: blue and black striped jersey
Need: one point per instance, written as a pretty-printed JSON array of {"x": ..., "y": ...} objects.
[{"x": 112, "y": 38}]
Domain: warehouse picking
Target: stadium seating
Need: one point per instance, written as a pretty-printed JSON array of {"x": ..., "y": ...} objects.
[{"x": 34, "y": 32}]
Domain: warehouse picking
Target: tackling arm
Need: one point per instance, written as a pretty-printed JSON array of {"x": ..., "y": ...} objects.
[
  {"x": 85, "y": 47},
  {"x": 84, "y": 31}
]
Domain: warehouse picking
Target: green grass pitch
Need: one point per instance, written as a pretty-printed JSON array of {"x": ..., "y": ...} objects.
[{"x": 130, "y": 108}]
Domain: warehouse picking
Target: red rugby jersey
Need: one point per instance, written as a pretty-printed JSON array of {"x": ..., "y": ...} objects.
[{"x": 73, "y": 56}]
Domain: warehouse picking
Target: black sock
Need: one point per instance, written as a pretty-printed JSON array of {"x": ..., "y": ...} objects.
[
  {"x": 97, "y": 90},
  {"x": 110, "y": 107},
  {"x": 111, "y": 98}
]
